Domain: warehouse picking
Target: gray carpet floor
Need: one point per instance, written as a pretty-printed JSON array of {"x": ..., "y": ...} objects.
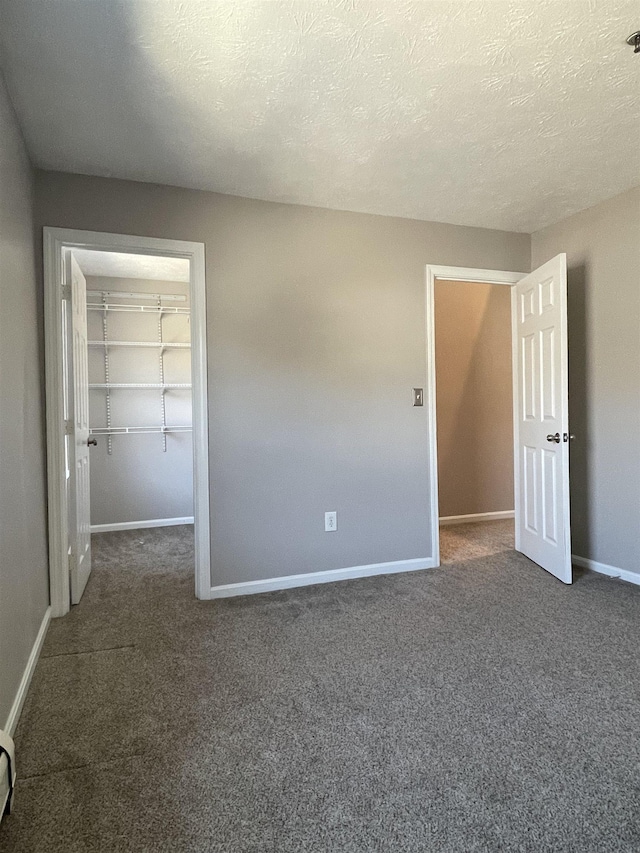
[{"x": 482, "y": 706}]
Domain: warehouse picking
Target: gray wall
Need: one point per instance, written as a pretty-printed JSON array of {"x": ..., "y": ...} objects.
[
  {"x": 316, "y": 337},
  {"x": 603, "y": 253},
  {"x": 474, "y": 397},
  {"x": 24, "y": 581},
  {"x": 139, "y": 481}
]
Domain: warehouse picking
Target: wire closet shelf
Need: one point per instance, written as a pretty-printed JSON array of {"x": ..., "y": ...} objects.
[{"x": 146, "y": 303}]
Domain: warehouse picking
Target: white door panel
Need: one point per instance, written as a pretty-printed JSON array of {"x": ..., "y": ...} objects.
[
  {"x": 541, "y": 418},
  {"x": 78, "y": 408}
]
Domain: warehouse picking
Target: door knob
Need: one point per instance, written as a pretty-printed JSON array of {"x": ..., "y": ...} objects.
[
  {"x": 92, "y": 442},
  {"x": 555, "y": 438}
]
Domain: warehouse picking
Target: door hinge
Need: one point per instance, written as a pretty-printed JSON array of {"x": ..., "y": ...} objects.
[
  {"x": 68, "y": 427},
  {"x": 72, "y": 563},
  {"x": 66, "y": 291}
]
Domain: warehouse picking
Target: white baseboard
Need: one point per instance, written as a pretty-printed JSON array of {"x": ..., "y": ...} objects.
[
  {"x": 27, "y": 675},
  {"x": 141, "y": 525},
  {"x": 604, "y": 569},
  {"x": 474, "y": 517},
  {"x": 291, "y": 581}
]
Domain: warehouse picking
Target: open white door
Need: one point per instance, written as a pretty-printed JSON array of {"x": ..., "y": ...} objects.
[
  {"x": 541, "y": 418},
  {"x": 77, "y": 380}
]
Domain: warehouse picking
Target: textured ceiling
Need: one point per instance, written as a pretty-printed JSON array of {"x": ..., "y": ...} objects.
[
  {"x": 126, "y": 265},
  {"x": 499, "y": 114}
]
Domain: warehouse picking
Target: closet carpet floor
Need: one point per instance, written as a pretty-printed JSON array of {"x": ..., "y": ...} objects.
[{"x": 482, "y": 706}]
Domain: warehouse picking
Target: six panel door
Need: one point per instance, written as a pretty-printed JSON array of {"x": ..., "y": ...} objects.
[{"x": 541, "y": 418}]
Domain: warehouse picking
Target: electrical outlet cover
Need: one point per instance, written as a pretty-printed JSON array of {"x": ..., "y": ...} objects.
[{"x": 330, "y": 521}]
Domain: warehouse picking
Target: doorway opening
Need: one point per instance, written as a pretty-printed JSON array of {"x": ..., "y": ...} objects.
[
  {"x": 126, "y": 407},
  {"x": 140, "y": 419},
  {"x": 474, "y": 414},
  {"x": 540, "y": 405}
]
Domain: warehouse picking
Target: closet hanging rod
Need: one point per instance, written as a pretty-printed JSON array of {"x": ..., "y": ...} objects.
[
  {"x": 152, "y": 344},
  {"x": 140, "y": 309},
  {"x": 119, "y": 294}
]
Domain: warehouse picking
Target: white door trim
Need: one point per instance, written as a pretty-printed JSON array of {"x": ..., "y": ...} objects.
[
  {"x": 55, "y": 239},
  {"x": 456, "y": 274}
]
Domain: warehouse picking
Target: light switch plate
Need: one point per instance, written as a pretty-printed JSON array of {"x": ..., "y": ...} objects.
[{"x": 418, "y": 397}]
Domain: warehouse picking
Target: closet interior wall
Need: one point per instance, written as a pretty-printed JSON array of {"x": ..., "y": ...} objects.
[
  {"x": 474, "y": 398},
  {"x": 146, "y": 473}
]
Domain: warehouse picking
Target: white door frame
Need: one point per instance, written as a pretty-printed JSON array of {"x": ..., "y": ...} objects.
[
  {"x": 55, "y": 240},
  {"x": 474, "y": 276}
]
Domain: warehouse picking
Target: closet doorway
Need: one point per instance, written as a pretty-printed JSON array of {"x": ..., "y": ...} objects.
[
  {"x": 126, "y": 401},
  {"x": 474, "y": 395}
]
